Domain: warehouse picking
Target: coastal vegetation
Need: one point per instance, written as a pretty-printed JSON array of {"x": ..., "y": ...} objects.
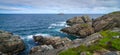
[{"x": 110, "y": 41}]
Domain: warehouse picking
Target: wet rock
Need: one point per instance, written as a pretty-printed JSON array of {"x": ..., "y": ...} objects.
[{"x": 10, "y": 44}]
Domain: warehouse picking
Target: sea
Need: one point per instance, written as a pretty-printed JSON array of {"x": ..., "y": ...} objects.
[{"x": 27, "y": 25}]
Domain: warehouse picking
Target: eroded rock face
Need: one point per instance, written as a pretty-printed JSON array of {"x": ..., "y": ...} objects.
[
  {"x": 41, "y": 48},
  {"x": 91, "y": 39},
  {"x": 108, "y": 21},
  {"x": 81, "y": 30},
  {"x": 10, "y": 44},
  {"x": 56, "y": 42},
  {"x": 79, "y": 26},
  {"x": 79, "y": 20},
  {"x": 49, "y": 44},
  {"x": 83, "y": 26}
]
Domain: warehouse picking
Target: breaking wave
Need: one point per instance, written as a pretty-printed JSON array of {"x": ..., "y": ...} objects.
[{"x": 58, "y": 24}]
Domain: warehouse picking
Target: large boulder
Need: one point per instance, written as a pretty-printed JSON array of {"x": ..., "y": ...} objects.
[
  {"x": 80, "y": 26},
  {"x": 56, "y": 42},
  {"x": 10, "y": 44},
  {"x": 80, "y": 30},
  {"x": 107, "y": 21},
  {"x": 79, "y": 20}
]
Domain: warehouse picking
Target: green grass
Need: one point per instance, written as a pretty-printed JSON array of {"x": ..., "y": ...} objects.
[
  {"x": 107, "y": 42},
  {"x": 76, "y": 51},
  {"x": 116, "y": 44}
]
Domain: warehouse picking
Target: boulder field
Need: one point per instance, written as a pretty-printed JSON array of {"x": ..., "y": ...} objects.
[{"x": 83, "y": 26}]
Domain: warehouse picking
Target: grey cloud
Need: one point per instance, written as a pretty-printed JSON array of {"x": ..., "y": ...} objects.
[
  {"x": 65, "y": 5},
  {"x": 8, "y": 8}
]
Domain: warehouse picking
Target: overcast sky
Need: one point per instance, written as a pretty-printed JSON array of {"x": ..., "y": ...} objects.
[{"x": 59, "y": 6}]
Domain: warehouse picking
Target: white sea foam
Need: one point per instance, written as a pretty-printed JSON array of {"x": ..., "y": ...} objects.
[
  {"x": 31, "y": 36},
  {"x": 58, "y": 24},
  {"x": 41, "y": 34},
  {"x": 27, "y": 37}
]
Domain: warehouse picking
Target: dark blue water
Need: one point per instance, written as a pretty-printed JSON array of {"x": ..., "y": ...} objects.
[{"x": 27, "y": 25}]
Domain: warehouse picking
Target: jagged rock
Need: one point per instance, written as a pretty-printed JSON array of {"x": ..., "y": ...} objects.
[
  {"x": 116, "y": 29},
  {"x": 81, "y": 30},
  {"x": 91, "y": 39},
  {"x": 107, "y": 21},
  {"x": 49, "y": 45},
  {"x": 41, "y": 48},
  {"x": 79, "y": 20},
  {"x": 111, "y": 53},
  {"x": 10, "y": 44},
  {"x": 83, "y": 26},
  {"x": 76, "y": 41},
  {"x": 56, "y": 42},
  {"x": 79, "y": 26}
]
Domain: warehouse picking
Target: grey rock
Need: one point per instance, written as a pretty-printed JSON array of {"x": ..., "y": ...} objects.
[
  {"x": 108, "y": 21},
  {"x": 81, "y": 30},
  {"x": 10, "y": 44},
  {"x": 79, "y": 20}
]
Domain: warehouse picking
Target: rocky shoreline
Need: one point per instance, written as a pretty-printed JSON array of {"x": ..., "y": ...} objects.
[{"x": 84, "y": 27}]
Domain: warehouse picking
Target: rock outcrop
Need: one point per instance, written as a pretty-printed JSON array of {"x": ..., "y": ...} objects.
[
  {"x": 79, "y": 20},
  {"x": 84, "y": 26},
  {"x": 41, "y": 48},
  {"x": 49, "y": 44},
  {"x": 80, "y": 30},
  {"x": 56, "y": 42},
  {"x": 91, "y": 39},
  {"x": 49, "y": 49},
  {"x": 108, "y": 21},
  {"x": 10, "y": 44},
  {"x": 79, "y": 26}
]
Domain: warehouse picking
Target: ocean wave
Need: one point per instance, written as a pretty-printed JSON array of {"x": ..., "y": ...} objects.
[
  {"x": 58, "y": 24},
  {"x": 39, "y": 34}
]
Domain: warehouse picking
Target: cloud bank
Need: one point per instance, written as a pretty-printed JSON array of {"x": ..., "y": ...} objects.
[{"x": 59, "y": 6}]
